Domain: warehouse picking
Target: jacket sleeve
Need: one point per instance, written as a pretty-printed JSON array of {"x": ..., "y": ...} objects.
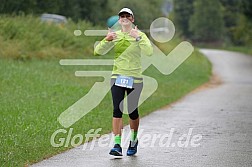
[
  {"x": 103, "y": 47},
  {"x": 145, "y": 45}
]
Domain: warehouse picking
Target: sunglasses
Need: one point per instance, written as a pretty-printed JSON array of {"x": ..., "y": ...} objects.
[{"x": 125, "y": 16}]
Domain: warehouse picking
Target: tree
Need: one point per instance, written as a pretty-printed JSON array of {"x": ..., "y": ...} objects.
[
  {"x": 95, "y": 11},
  {"x": 207, "y": 24},
  {"x": 48, "y": 6},
  {"x": 242, "y": 32},
  {"x": 23, "y": 6},
  {"x": 70, "y": 8},
  {"x": 183, "y": 9},
  {"x": 246, "y": 6},
  {"x": 231, "y": 11}
]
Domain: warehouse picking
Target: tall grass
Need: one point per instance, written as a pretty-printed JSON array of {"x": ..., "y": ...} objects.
[{"x": 25, "y": 37}]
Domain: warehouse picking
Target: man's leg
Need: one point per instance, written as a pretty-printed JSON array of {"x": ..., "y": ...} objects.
[
  {"x": 117, "y": 96},
  {"x": 134, "y": 124},
  {"x": 117, "y": 123},
  {"x": 133, "y": 98}
]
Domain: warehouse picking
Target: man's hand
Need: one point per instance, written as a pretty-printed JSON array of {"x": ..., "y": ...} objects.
[
  {"x": 134, "y": 32},
  {"x": 111, "y": 35}
]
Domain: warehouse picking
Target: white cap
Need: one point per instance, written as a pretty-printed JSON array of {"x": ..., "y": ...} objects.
[{"x": 126, "y": 10}]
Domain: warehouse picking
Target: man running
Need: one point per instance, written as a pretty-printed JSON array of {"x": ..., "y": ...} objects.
[{"x": 129, "y": 44}]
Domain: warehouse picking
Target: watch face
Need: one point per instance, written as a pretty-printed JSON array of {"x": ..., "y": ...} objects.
[{"x": 138, "y": 38}]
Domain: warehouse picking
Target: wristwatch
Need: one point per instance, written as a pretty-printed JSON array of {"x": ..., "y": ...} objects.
[{"x": 138, "y": 38}]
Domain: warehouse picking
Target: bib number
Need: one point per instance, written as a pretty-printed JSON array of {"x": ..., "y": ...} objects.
[{"x": 124, "y": 81}]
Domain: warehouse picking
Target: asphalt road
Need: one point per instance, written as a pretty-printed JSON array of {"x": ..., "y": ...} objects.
[{"x": 211, "y": 126}]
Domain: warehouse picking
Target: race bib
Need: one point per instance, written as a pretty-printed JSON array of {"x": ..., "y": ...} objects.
[{"x": 124, "y": 81}]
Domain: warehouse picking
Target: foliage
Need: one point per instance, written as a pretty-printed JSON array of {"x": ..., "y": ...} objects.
[
  {"x": 242, "y": 33},
  {"x": 230, "y": 11},
  {"x": 246, "y": 6},
  {"x": 206, "y": 23},
  {"x": 94, "y": 11},
  {"x": 183, "y": 10},
  {"x": 211, "y": 21}
]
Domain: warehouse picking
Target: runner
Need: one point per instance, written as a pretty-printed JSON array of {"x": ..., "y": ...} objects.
[{"x": 129, "y": 44}]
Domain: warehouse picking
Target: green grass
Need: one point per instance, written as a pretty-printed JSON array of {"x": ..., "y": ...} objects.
[
  {"x": 34, "y": 93},
  {"x": 223, "y": 46},
  {"x": 242, "y": 49},
  {"x": 34, "y": 90}
]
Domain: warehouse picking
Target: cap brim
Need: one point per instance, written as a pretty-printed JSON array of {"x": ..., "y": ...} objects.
[{"x": 125, "y": 12}]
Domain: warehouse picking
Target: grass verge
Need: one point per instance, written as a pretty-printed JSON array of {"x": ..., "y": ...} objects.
[
  {"x": 242, "y": 49},
  {"x": 223, "y": 46}
]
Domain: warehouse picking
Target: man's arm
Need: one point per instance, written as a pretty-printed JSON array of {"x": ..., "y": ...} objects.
[
  {"x": 106, "y": 44},
  {"x": 103, "y": 47},
  {"x": 145, "y": 45}
]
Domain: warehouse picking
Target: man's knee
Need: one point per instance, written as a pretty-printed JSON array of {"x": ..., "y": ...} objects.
[
  {"x": 134, "y": 115},
  {"x": 117, "y": 113}
]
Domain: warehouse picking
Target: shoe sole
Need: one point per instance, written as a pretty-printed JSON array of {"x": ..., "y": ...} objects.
[
  {"x": 131, "y": 154},
  {"x": 115, "y": 153}
]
